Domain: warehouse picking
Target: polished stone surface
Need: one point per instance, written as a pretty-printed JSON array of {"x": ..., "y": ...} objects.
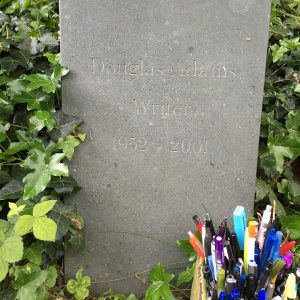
[{"x": 170, "y": 92}]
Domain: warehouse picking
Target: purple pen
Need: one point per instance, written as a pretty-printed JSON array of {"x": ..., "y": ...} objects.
[{"x": 219, "y": 252}]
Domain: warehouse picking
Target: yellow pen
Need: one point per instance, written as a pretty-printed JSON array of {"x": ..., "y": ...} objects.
[
  {"x": 246, "y": 251},
  {"x": 290, "y": 287}
]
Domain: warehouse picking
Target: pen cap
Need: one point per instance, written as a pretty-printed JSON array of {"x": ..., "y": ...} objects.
[
  {"x": 277, "y": 267},
  {"x": 240, "y": 224},
  {"x": 287, "y": 247},
  {"x": 266, "y": 215},
  {"x": 290, "y": 288},
  {"x": 252, "y": 229}
]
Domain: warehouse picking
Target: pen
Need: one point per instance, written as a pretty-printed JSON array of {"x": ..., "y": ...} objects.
[
  {"x": 252, "y": 268},
  {"x": 287, "y": 247},
  {"x": 264, "y": 225},
  {"x": 277, "y": 267},
  {"x": 219, "y": 252},
  {"x": 267, "y": 249},
  {"x": 250, "y": 287},
  {"x": 229, "y": 284},
  {"x": 203, "y": 232},
  {"x": 221, "y": 280},
  {"x": 231, "y": 259},
  {"x": 213, "y": 255},
  {"x": 235, "y": 295},
  {"x": 276, "y": 247},
  {"x": 270, "y": 291},
  {"x": 196, "y": 244},
  {"x": 262, "y": 295},
  {"x": 257, "y": 253},
  {"x": 207, "y": 242},
  {"x": 235, "y": 246},
  {"x": 210, "y": 224},
  {"x": 246, "y": 250},
  {"x": 211, "y": 265},
  {"x": 263, "y": 279},
  {"x": 240, "y": 224},
  {"x": 290, "y": 287},
  {"x": 222, "y": 295},
  {"x": 198, "y": 223},
  {"x": 251, "y": 240}
]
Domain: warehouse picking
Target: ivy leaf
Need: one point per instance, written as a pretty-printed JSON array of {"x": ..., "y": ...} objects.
[
  {"x": 12, "y": 249},
  {"x": 185, "y": 246},
  {"x": 3, "y": 268},
  {"x": 77, "y": 241},
  {"x": 64, "y": 125},
  {"x": 43, "y": 208},
  {"x": 44, "y": 168},
  {"x": 4, "y": 177},
  {"x": 12, "y": 190},
  {"x": 24, "y": 224},
  {"x": 158, "y": 274},
  {"x": 37, "y": 81},
  {"x": 44, "y": 229},
  {"x": 39, "y": 120},
  {"x": 186, "y": 276},
  {"x": 159, "y": 290},
  {"x": 34, "y": 253},
  {"x": 32, "y": 98},
  {"x": 64, "y": 185},
  {"x": 68, "y": 145},
  {"x": 292, "y": 224}
]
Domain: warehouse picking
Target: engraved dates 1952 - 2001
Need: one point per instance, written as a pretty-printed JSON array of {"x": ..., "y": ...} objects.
[{"x": 173, "y": 145}]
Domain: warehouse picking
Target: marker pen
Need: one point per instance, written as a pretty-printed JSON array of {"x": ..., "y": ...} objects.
[
  {"x": 264, "y": 225},
  {"x": 251, "y": 240},
  {"x": 240, "y": 224},
  {"x": 221, "y": 280},
  {"x": 290, "y": 287},
  {"x": 196, "y": 244},
  {"x": 198, "y": 223},
  {"x": 246, "y": 237},
  {"x": 287, "y": 247}
]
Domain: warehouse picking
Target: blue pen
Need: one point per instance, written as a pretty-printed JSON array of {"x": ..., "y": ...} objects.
[
  {"x": 222, "y": 296},
  {"x": 276, "y": 247},
  {"x": 257, "y": 254},
  {"x": 262, "y": 294},
  {"x": 243, "y": 281},
  {"x": 240, "y": 224},
  {"x": 267, "y": 249},
  {"x": 211, "y": 265},
  {"x": 235, "y": 295}
]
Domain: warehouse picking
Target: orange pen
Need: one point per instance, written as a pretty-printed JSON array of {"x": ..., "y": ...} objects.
[{"x": 196, "y": 244}]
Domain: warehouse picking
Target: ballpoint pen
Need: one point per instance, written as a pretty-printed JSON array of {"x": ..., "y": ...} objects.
[
  {"x": 276, "y": 247},
  {"x": 210, "y": 224},
  {"x": 198, "y": 223},
  {"x": 231, "y": 259},
  {"x": 207, "y": 242},
  {"x": 264, "y": 225},
  {"x": 263, "y": 279},
  {"x": 235, "y": 246},
  {"x": 246, "y": 250},
  {"x": 251, "y": 240},
  {"x": 219, "y": 252},
  {"x": 213, "y": 255},
  {"x": 267, "y": 249},
  {"x": 262, "y": 294},
  {"x": 257, "y": 253},
  {"x": 211, "y": 265}
]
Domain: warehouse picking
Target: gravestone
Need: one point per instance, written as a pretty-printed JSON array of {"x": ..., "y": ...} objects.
[{"x": 170, "y": 92}]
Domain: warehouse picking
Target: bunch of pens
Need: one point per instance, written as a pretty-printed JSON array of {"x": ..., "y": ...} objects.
[{"x": 253, "y": 262}]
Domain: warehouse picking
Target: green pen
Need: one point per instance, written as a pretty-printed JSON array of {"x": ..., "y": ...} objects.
[{"x": 221, "y": 280}]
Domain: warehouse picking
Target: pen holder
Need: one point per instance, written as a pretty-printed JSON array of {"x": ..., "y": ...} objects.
[{"x": 198, "y": 291}]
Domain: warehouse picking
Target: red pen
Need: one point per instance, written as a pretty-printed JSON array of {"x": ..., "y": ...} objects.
[
  {"x": 287, "y": 247},
  {"x": 198, "y": 223}
]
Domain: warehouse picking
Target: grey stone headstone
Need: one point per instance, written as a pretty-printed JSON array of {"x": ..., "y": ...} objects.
[{"x": 170, "y": 92}]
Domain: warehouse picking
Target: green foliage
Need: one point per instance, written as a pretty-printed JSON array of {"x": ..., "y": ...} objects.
[
  {"x": 279, "y": 149},
  {"x": 159, "y": 288},
  {"x": 79, "y": 286},
  {"x": 36, "y": 141},
  {"x": 186, "y": 276}
]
